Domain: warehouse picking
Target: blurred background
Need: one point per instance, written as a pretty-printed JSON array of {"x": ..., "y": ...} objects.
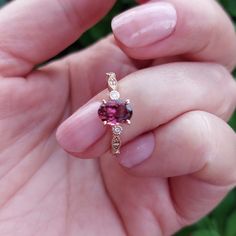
[{"x": 220, "y": 222}]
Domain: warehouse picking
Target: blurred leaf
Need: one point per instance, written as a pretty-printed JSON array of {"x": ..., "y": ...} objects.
[
  {"x": 207, "y": 223},
  {"x": 230, "y": 229},
  {"x": 186, "y": 231},
  {"x": 2, "y": 2},
  {"x": 220, "y": 214},
  {"x": 230, "y": 6},
  {"x": 232, "y": 121},
  {"x": 205, "y": 232},
  {"x": 234, "y": 73}
]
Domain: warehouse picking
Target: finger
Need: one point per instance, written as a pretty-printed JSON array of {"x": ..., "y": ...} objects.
[
  {"x": 208, "y": 186},
  {"x": 197, "y": 30},
  {"x": 84, "y": 82},
  {"x": 178, "y": 89},
  {"x": 183, "y": 146},
  {"x": 34, "y": 31},
  {"x": 199, "y": 149}
]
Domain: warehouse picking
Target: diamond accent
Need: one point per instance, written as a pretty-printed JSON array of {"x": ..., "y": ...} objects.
[
  {"x": 112, "y": 82},
  {"x": 117, "y": 130},
  {"x": 116, "y": 144},
  {"x": 114, "y": 95}
]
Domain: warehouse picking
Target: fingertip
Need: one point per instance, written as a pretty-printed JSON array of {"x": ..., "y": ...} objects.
[
  {"x": 145, "y": 25},
  {"x": 137, "y": 151},
  {"x": 199, "y": 30},
  {"x": 81, "y": 130}
]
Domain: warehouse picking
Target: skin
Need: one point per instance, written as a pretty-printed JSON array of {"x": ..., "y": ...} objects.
[{"x": 45, "y": 190}]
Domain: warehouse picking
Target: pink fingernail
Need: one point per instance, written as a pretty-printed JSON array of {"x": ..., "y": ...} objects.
[
  {"x": 81, "y": 130},
  {"x": 145, "y": 25},
  {"x": 138, "y": 151}
]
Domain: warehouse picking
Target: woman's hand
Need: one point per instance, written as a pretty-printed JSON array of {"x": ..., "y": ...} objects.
[
  {"x": 179, "y": 157},
  {"x": 44, "y": 191}
]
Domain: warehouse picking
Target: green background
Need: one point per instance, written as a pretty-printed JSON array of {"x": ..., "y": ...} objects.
[{"x": 222, "y": 221}]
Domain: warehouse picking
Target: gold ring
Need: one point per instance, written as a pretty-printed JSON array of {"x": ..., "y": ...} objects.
[{"x": 115, "y": 112}]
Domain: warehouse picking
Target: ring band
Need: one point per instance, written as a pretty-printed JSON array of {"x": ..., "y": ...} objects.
[{"x": 115, "y": 112}]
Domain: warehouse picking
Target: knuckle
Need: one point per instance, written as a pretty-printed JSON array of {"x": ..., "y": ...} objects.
[
  {"x": 219, "y": 73},
  {"x": 71, "y": 14},
  {"x": 226, "y": 86},
  {"x": 206, "y": 134}
]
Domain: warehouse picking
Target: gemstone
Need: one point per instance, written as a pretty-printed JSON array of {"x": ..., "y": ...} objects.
[
  {"x": 117, "y": 129},
  {"x": 114, "y": 95},
  {"x": 115, "y": 112},
  {"x": 112, "y": 82}
]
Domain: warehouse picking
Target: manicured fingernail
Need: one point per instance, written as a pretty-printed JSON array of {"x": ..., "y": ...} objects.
[
  {"x": 137, "y": 151},
  {"x": 81, "y": 130},
  {"x": 145, "y": 25}
]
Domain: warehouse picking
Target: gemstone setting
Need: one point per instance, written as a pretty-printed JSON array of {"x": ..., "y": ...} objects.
[
  {"x": 112, "y": 82},
  {"x": 115, "y": 112},
  {"x": 114, "y": 95},
  {"x": 116, "y": 144},
  {"x": 117, "y": 130}
]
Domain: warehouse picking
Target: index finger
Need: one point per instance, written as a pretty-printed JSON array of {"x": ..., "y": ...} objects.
[{"x": 34, "y": 31}]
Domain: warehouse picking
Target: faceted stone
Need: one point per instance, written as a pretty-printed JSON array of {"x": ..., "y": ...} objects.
[
  {"x": 117, "y": 129},
  {"x": 115, "y": 112},
  {"x": 114, "y": 95},
  {"x": 112, "y": 82}
]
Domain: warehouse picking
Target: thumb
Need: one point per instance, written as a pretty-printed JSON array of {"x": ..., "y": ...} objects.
[
  {"x": 35, "y": 31},
  {"x": 199, "y": 30}
]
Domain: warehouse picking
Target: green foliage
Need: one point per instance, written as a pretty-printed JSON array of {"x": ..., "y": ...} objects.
[
  {"x": 101, "y": 29},
  {"x": 230, "y": 229},
  {"x": 204, "y": 232},
  {"x": 222, "y": 221},
  {"x": 230, "y": 6},
  {"x": 2, "y": 2}
]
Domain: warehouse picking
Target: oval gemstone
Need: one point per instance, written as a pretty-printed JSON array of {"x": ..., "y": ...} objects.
[{"x": 115, "y": 112}]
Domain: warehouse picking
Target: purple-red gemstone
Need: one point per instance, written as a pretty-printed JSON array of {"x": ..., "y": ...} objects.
[{"x": 115, "y": 112}]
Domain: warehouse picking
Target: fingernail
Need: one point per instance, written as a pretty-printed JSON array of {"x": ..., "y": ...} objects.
[
  {"x": 145, "y": 25},
  {"x": 81, "y": 130},
  {"x": 137, "y": 151}
]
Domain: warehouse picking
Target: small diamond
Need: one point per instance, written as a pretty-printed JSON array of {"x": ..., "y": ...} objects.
[
  {"x": 116, "y": 143},
  {"x": 112, "y": 82},
  {"x": 114, "y": 95},
  {"x": 117, "y": 130}
]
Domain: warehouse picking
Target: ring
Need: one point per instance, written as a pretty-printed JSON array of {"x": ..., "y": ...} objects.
[{"x": 115, "y": 112}]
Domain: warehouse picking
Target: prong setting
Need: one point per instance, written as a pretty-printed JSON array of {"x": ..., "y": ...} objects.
[
  {"x": 114, "y": 95},
  {"x": 111, "y": 74},
  {"x": 114, "y": 112},
  {"x": 117, "y": 129}
]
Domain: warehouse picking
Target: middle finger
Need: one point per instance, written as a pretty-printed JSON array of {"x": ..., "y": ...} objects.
[{"x": 158, "y": 95}]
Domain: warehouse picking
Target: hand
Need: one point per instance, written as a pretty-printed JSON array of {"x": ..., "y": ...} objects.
[
  {"x": 45, "y": 191},
  {"x": 179, "y": 154}
]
